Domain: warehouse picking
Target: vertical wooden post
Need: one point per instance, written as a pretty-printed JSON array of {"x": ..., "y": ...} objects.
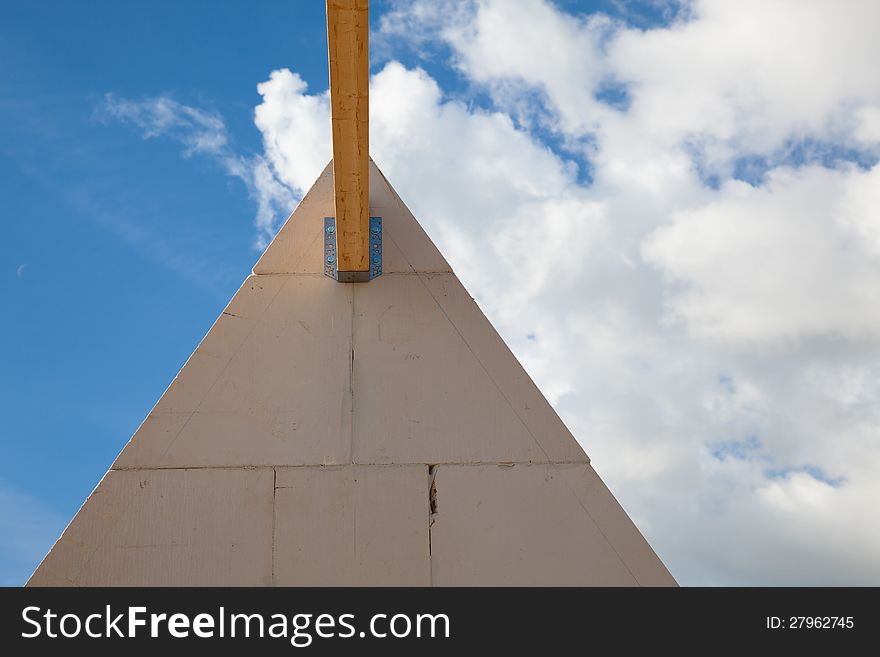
[{"x": 348, "y": 33}]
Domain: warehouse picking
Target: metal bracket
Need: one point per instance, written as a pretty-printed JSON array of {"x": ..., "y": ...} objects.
[
  {"x": 330, "y": 259},
  {"x": 330, "y": 247},
  {"x": 375, "y": 247}
]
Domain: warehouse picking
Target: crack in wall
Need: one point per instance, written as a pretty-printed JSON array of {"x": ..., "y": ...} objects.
[
  {"x": 432, "y": 497},
  {"x": 432, "y": 507},
  {"x": 432, "y": 516}
]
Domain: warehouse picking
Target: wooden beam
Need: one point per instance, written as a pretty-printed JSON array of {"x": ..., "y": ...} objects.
[{"x": 348, "y": 41}]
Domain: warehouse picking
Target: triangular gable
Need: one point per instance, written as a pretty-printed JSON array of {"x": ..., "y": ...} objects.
[{"x": 372, "y": 433}]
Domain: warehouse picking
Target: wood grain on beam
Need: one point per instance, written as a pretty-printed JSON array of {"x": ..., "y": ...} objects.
[{"x": 348, "y": 36}]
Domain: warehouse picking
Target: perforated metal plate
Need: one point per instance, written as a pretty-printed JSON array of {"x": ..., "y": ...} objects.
[
  {"x": 330, "y": 256},
  {"x": 375, "y": 247}
]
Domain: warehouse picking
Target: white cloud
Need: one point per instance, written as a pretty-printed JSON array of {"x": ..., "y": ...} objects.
[
  {"x": 752, "y": 73},
  {"x": 867, "y": 128},
  {"x": 724, "y": 79},
  {"x": 797, "y": 256},
  {"x": 198, "y": 131},
  {"x": 295, "y": 128}
]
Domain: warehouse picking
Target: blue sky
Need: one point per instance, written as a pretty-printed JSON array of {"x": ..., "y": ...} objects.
[
  {"x": 118, "y": 253},
  {"x": 672, "y": 137}
]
